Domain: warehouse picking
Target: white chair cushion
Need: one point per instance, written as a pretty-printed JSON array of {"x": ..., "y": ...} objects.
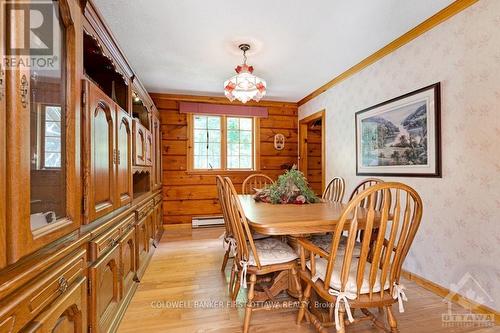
[
  {"x": 272, "y": 251},
  {"x": 350, "y": 288},
  {"x": 325, "y": 242}
]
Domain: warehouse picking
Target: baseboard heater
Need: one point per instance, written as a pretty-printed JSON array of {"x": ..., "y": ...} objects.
[{"x": 207, "y": 221}]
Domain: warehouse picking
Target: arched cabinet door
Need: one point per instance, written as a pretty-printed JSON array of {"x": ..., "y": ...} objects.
[
  {"x": 42, "y": 138},
  {"x": 149, "y": 149},
  {"x": 68, "y": 314},
  {"x": 101, "y": 153},
  {"x": 142, "y": 246},
  {"x": 127, "y": 256},
  {"x": 105, "y": 293},
  {"x": 124, "y": 132},
  {"x": 139, "y": 143}
]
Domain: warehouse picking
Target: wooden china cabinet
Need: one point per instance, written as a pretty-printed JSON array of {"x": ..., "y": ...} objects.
[{"x": 80, "y": 174}]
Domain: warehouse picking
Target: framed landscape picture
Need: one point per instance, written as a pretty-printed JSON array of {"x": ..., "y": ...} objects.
[{"x": 401, "y": 137}]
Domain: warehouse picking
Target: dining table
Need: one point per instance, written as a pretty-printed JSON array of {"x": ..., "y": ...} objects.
[{"x": 292, "y": 221}]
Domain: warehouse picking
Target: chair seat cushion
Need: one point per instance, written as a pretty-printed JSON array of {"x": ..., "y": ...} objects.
[
  {"x": 272, "y": 251},
  {"x": 325, "y": 243},
  {"x": 350, "y": 287}
]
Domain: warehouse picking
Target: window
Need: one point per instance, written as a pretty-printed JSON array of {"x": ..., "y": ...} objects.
[
  {"x": 207, "y": 142},
  {"x": 239, "y": 143},
  {"x": 222, "y": 143},
  {"x": 51, "y": 137}
]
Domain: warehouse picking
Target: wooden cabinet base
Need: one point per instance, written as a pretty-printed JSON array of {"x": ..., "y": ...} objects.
[{"x": 123, "y": 308}]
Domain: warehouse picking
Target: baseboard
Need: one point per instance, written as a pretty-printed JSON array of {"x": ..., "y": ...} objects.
[{"x": 457, "y": 298}]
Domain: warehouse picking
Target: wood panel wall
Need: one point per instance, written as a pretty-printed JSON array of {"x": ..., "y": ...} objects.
[{"x": 188, "y": 194}]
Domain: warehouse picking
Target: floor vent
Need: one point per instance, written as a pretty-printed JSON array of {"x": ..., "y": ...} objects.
[{"x": 207, "y": 221}]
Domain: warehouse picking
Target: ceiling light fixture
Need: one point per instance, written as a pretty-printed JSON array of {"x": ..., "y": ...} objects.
[{"x": 244, "y": 86}]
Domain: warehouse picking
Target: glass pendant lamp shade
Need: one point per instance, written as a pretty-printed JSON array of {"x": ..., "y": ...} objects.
[{"x": 244, "y": 86}]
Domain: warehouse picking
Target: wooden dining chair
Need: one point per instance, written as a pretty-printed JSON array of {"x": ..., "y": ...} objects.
[
  {"x": 334, "y": 191},
  {"x": 366, "y": 183},
  {"x": 256, "y": 181},
  {"x": 257, "y": 258},
  {"x": 370, "y": 279},
  {"x": 229, "y": 242}
]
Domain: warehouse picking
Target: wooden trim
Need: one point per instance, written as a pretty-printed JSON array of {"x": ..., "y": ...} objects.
[
  {"x": 218, "y": 100},
  {"x": 438, "y": 18},
  {"x": 323, "y": 150},
  {"x": 256, "y": 143},
  {"x": 303, "y": 125},
  {"x": 190, "y": 143},
  {"x": 457, "y": 298}
]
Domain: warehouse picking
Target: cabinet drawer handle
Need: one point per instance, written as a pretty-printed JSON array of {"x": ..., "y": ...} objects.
[
  {"x": 112, "y": 242},
  {"x": 2, "y": 73},
  {"x": 24, "y": 91},
  {"x": 63, "y": 284}
]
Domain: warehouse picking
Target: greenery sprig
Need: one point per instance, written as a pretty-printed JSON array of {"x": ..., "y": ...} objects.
[{"x": 291, "y": 187}]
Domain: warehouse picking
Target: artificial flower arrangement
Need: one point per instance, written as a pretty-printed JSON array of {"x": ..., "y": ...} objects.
[{"x": 290, "y": 188}]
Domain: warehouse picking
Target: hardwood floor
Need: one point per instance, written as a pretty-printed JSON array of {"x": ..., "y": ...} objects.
[{"x": 184, "y": 291}]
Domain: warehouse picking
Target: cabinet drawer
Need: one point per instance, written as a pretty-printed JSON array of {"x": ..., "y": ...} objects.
[
  {"x": 158, "y": 198},
  {"x": 145, "y": 209},
  {"x": 127, "y": 224},
  {"x": 110, "y": 238},
  {"x": 22, "y": 306},
  {"x": 67, "y": 314}
]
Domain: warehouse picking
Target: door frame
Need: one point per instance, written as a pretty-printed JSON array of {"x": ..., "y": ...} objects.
[{"x": 303, "y": 124}]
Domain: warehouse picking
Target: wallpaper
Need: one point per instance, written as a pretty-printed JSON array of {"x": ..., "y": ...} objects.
[{"x": 459, "y": 236}]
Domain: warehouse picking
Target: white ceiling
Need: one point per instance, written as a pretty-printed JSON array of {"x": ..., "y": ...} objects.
[{"x": 190, "y": 46}]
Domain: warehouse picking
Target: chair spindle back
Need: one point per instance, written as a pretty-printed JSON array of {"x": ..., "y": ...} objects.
[
  {"x": 239, "y": 224},
  {"x": 334, "y": 191},
  {"x": 389, "y": 233},
  {"x": 256, "y": 181},
  {"x": 223, "y": 203},
  {"x": 366, "y": 183}
]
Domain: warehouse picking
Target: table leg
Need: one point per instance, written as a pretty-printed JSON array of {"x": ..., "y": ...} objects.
[{"x": 280, "y": 283}]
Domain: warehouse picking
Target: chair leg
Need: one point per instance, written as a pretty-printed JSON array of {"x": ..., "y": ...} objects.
[
  {"x": 296, "y": 280},
  {"x": 224, "y": 261},
  {"x": 248, "y": 310},
  {"x": 392, "y": 320},
  {"x": 303, "y": 304},
  {"x": 341, "y": 319},
  {"x": 231, "y": 280},
  {"x": 236, "y": 287}
]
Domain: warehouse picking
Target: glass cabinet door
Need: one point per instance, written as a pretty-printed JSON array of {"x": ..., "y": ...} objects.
[{"x": 42, "y": 179}]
